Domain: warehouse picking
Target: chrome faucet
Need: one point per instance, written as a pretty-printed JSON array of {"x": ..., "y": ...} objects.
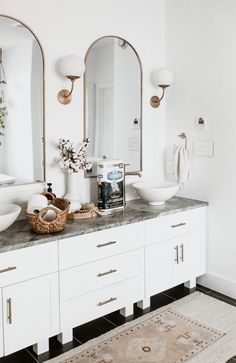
[{"x": 127, "y": 173}]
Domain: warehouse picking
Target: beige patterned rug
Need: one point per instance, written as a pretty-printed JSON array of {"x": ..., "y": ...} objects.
[{"x": 186, "y": 330}]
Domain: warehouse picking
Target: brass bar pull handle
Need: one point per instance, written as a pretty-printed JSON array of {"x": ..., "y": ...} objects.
[
  {"x": 106, "y": 244},
  {"x": 8, "y": 269},
  {"x": 101, "y": 303},
  {"x": 182, "y": 252},
  {"x": 177, "y": 254},
  {"x": 9, "y": 311},
  {"x": 178, "y": 225},
  {"x": 106, "y": 273}
]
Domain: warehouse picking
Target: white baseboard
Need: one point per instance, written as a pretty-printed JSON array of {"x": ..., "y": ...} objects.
[{"x": 219, "y": 284}]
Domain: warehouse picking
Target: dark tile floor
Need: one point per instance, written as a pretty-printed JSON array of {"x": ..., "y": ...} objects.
[{"x": 102, "y": 325}]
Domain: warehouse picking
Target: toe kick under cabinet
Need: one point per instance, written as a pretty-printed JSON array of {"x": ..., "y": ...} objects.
[{"x": 53, "y": 287}]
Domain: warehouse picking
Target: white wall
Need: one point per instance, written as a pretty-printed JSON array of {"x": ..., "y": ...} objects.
[
  {"x": 70, "y": 27},
  {"x": 201, "y": 49}
]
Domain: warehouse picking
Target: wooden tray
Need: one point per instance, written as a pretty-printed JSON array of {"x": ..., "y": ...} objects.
[{"x": 81, "y": 215}]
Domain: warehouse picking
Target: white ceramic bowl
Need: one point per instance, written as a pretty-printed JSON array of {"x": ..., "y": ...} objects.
[
  {"x": 156, "y": 192},
  {"x": 8, "y": 214}
]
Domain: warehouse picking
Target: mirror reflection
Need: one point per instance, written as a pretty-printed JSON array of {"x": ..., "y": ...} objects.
[
  {"x": 113, "y": 103},
  {"x": 21, "y": 105}
]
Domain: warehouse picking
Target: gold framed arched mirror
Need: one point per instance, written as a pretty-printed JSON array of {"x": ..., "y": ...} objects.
[
  {"x": 22, "y": 104},
  {"x": 113, "y": 103}
]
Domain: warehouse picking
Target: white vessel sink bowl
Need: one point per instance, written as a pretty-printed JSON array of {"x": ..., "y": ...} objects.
[
  {"x": 8, "y": 214},
  {"x": 156, "y": 192}
]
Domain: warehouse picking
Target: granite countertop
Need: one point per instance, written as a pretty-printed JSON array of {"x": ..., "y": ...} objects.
[{"x": 19, "y": 234}]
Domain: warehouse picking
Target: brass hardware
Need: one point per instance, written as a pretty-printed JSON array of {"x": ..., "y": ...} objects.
[
  {"x": 155, "y": 100},
  {"x": 138, "y": 173},
  {"x": 9, "y": 311},
  {"x": 178, "y": 225},
  {"x": 177, "y": 254},
  {"x": 128, "y": 173},
  {"x": 106, "y": 273},
  {"x": 106, "y": 244},
  {"x": 8, "y": 269},
  {"x": 184, "y": 137},
  {"x": 182, "y": 252},
  {"x": 64, "y": 96},
  {"x": 101, "y": 303},
  {"x": 133, "y": 173}
]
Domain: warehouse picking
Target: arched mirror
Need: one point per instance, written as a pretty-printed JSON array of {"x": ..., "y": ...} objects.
[
  {"x": 113, "y": 103},
  {"x": 21, "y": 104}
]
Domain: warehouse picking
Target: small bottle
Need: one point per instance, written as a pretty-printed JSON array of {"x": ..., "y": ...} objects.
[
  {"x": 49, "y": 190},
  {"x": 50, "y": 195}
]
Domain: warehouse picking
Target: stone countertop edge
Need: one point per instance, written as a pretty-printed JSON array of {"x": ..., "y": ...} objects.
[{"x": 20, "y": 236}]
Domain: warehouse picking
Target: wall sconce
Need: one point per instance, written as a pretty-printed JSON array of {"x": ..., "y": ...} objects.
[
  {"x": 71, "y": 67},
  {"x": 163, "y": 78}
]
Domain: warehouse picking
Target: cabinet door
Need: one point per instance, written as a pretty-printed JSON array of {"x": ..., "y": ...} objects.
[
  {"x": 30, "y": 312},
  {"x": 188, "y": 256},
  {"x": 174, "y": 261},
  {"x": 158, "y": 264}
]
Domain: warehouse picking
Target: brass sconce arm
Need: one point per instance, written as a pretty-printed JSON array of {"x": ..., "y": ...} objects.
[
  {"x": 64, "y": 96},
  {"x": 72, "y": 79},
  {"x": 162, "y": 78},
  {"x": 163, "y": 91}
]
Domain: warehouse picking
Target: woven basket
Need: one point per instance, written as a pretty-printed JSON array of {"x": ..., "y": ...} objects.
[{"x": 39, "y": 225}]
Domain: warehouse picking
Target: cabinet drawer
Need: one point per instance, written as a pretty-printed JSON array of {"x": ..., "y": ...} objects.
[
  {"x": 174, "y": 225},
  {"x": 86, "y": 248},
  {"x": 27, "y": 263},
  {"x": 96, "y": 275},
  {"x": 101, "y": 302}
]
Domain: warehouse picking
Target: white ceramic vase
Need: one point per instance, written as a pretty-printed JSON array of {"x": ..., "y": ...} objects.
[{"x": 72, "y": 195}]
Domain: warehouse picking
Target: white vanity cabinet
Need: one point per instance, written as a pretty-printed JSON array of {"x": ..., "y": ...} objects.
[
  {"x": 175, "y": 250},
  {"x": 49, "y": 289},
  {"x": 29, "y": 291}
]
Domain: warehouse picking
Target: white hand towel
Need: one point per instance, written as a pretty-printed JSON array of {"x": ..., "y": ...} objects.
[
  {"x": 182, "y": 166},
  {"x": 176, "y": 162}
]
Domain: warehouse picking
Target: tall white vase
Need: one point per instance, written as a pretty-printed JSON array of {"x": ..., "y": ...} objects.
[{"x": 72, "y": 195}]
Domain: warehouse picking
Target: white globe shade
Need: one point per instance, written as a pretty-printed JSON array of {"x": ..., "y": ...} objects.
[
  {"x": 72, "y": 65},
  {"x": 163, "y": 77}
]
